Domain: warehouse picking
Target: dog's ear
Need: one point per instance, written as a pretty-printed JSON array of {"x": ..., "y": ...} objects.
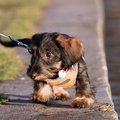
[
  {"x": 37, "y": 38},
  {"x": 71, "y": 49},
  {"x": 14, "y": 44}
]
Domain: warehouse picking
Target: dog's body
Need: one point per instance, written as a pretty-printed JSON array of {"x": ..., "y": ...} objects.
[{"x": 52, "y": 52}]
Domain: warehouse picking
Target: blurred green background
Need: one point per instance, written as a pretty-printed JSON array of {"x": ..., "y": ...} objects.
[{"x": 18, "y": 18}]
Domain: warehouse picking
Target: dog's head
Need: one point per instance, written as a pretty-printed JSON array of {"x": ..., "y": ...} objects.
[{"x": 52, "y": 52}]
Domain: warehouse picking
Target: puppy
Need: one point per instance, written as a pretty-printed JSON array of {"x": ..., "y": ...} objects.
[{"x": 51, "y": 53}]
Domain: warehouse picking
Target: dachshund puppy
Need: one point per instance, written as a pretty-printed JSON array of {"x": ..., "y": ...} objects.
[{"x": 51, "y": 54}]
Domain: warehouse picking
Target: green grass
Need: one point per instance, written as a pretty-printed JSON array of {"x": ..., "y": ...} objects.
[
  {"x": 18, "y": 18},
  {"x": 3, "y": 99},
  {"x": 10, "y": 64}
]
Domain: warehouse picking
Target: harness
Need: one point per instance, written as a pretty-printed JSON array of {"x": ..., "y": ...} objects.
[{"x": 67, "y": 81}]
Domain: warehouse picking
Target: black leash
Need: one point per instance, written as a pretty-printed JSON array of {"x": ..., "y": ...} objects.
[{"x": 18, "y": 42}]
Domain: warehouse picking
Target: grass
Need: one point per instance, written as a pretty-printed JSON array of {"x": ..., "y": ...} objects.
[
  {"x": 10, "y": 64},
  {"x": 18, "y": 19},
  {"x": 3, "y": 99}
]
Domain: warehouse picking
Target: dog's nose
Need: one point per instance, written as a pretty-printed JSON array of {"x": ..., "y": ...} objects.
[{"x": 32, "y": 75}]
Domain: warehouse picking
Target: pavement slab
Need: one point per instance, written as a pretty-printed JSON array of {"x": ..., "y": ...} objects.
[{"x": 78, "y": 18}]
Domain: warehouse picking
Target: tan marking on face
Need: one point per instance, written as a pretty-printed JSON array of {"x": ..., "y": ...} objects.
[
  {"x": 58, "y": 65},
  {"x": 41, "y": 77}
]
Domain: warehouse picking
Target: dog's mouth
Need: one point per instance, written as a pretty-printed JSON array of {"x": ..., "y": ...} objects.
[
  {"x": 44, "y": 77},
  {"x": 46, "y": 73},
  {"x": 41, "y": 77}
]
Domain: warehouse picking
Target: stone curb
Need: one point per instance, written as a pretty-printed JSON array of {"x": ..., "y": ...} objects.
[
  {"x": 101, "y": 38},
  {"x": 100, "y": 30}
]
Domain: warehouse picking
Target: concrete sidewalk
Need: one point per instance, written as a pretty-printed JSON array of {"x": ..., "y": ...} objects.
[{"x": 83, "y": 19}]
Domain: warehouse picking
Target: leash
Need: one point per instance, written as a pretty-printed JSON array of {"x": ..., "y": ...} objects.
[{"x": 21, "y": 44}]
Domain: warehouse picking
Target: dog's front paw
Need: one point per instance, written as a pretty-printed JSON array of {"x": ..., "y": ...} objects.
[
  {"x": 40, "y": 98},
  {"x": 82, "y": 102},
  {"x": 43, "y": 94},
  {"x": 60, "y": 93}
]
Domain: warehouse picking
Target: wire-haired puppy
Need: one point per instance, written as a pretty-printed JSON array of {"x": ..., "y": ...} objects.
[{"x": 57, "y": 62}]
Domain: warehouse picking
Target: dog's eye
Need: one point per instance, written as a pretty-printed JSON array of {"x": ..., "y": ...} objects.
[{"x": 49, "y": 54}]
